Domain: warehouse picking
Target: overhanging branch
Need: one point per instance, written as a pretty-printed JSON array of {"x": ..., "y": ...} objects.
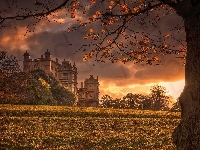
[
  {"x": 133, "y": 13},
  {"x": 23, "y": 17},
  {"x": 169, "y": 2}
]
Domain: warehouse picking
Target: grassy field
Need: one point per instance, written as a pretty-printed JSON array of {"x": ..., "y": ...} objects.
[{"x": 70, "y": 128}]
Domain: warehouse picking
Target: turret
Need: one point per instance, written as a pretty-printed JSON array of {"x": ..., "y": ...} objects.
[
  {"x": 91, "y": 77},
  {"x": 74, "y": 67},
  {"x": 26, "y": 56},
  {"x": 47, "y": 55},
  {"x": 66, "y": 64}
]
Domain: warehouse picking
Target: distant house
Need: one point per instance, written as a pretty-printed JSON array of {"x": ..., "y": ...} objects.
[
  {"x": 88, "y": 94},
  {"x": 66, "y": 73}
]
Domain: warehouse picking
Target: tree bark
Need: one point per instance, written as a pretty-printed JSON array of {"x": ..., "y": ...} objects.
[{"x": 187, "y": 135}]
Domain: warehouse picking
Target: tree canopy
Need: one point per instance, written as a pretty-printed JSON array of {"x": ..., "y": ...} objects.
[
  {"x": 8, "y": 64},
  {"x": 160, "y": 101},
  {"x": 35, "y": 87}
]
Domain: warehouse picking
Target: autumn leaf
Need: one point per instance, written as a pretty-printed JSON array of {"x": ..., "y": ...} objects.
[
  {"x": 109, "y": 41},
  {"x": 167, "y": 35},
  {"x": 68, "y": 30},
  {"x": 72, "y": 15},
  {"x": 155, "y": 58},
  {"x": 85, "y": 57},
  {"x": 103, "y": 30},
  {"x": 91, "y": 30},
  {"x": 93, "y": 1},
  {"x": 98, "y": 13}
]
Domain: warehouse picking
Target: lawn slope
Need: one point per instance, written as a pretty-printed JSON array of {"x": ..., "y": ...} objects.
[{"x": 59, "y": 127}]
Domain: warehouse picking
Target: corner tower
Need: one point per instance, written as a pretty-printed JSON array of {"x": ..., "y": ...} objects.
[
  {"x": 88, "y": 95},
  {"x": 26, "y": 62}
]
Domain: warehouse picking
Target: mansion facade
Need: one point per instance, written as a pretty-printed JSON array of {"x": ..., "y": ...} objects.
[{"x": 66, "y": 73}]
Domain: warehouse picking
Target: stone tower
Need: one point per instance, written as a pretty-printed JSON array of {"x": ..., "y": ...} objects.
[
  {"x": 67, "y": 75},
  {"x": 88, "y": 94}
]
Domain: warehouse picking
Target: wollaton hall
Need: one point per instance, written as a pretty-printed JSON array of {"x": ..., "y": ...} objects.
[{"x": 66, "y": 73}]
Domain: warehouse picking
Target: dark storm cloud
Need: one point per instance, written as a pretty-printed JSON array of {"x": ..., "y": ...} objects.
[
  {"x": 63, "y": 45},
  {"x": 169, "y": 72},
  {"x": 10, "y": 8},
  {"x": 107, "y": 71},
  {"x": 14, "y": 7}
]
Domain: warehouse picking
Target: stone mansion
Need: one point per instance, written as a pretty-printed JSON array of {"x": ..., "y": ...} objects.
[{"x": 66, "y": 73}]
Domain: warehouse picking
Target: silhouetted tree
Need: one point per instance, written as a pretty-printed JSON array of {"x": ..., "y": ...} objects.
[
  {"x": 147, "y": 103},
  {"x": 133, "y": 101},
  {"x": 106, "y": 101},
  {"x": 8, "y": 64},
  {"x": 160, "y": 101}
]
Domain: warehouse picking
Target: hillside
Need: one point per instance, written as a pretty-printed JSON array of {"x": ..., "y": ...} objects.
[
  {"x": 34, "y": 88},
  {"x": 60, "y": 127}
]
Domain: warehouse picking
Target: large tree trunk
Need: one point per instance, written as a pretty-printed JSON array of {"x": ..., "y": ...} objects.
[{"x": 187, "y": 135}]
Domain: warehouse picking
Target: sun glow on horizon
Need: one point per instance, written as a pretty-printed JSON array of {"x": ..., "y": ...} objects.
[{"x": 173, "y": 89}]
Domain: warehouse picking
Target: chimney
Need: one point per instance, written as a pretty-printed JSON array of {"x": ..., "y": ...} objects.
[
  {"x": 81, "y": 84},
  {"x": 57, "y": 60},
  {"x": 41, "y": 56}
]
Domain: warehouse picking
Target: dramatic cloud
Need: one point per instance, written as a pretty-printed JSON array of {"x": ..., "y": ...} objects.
[{"x": 116, "y": 79}]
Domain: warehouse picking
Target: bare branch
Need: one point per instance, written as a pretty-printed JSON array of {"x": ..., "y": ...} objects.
[
  {"x": 1, "y": 20},
  {"x": 133, "y": 13},
  {"x": 169, "y": 2},
  {"x": 23, "y": 17}
]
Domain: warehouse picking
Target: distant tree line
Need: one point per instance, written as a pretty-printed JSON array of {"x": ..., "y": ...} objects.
[
  {"x": 156, "y": 100},
  {"x": 35, "y": 87}
]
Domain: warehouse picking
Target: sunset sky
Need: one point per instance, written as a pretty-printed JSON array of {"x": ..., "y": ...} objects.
[{"x": 116, "y": 79}]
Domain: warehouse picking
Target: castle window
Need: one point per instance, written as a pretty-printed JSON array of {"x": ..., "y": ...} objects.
[
  {"x": 36, "y": 66},
  {"x": 65, "y": 74}
]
